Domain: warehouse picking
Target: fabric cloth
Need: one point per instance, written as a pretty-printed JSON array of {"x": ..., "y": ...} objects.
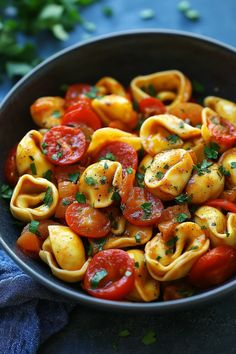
[{"x": 29, "y": 313}]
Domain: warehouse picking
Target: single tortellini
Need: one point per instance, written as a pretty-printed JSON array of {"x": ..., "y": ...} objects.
[
  {"x": 132, "y": 236},
  {"x": 145, "y": 287},
  {"x": 224, "y": 108},
  {"x": 169, "y": 85},
  {"x": 228, "y": 161},
  {"x": 108, "y": 85},
  {"x": 107, "y": 135},
  {"x": 164, "y": 132},
  {"x": 99, "y": 182},
  {"x": 33, "y": 199},
  {"x": 115, "y": 108},
  {"x": 173, "y": 259},
  {"x": 64, "y": 252},
  {"x": 29, "y": 156},
  {"x": 219, "y": 228},
  {"x": 47, "y": 112},
  {"x": 168, "y": 174},
  {"x": 206, "y": 183}
]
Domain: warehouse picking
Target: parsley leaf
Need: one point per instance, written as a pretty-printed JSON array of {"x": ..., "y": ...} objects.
[
  {"x": 138, "y": 237},
  {"x": 212, "y": 151},
  {"x": 124, "y": 333},
  {"x": 6, "y": 191},
  {"x": 147, "y": 209},
  {"x": 183, "y": 198},
  {"x": 108, "y": 156},
  {"x": 98, "y": 276},
  {"x": 80, "y": 197},
  {"x": 140, "y": 179},
  {"x": 223, "y": 171},
  {"x": 181, "y": 217},
  {"x": 233, "y": 165},
  {"x": 48, "y": 175},
  {"x": 90, "y": 180},
  {"x": 48, "y": 198},
  {"x": 33, "y": 227},
  {"x": 129, "y": 170},
  {"x": 159, "y": 175},
  {"x": 73, "y": 177},
  {"x": 202, "y": 168},
  {"x": 172, "y": 242},
  {"x": 107, "y": 11},
  {"x": 173, "y": 138},
  {"x": 149, "y": 338},
  {"x": 33, "y": 168}
]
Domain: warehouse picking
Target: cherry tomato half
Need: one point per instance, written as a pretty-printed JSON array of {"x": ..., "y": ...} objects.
[
  {"x": 10, "y": 170},
  {"x": 87, "y": 221},
  {"x": 121, "y": 152},
  {"x": 110, "y": 275},
  {"x": 222, "y": 131},
  {"x": 214, "y": 267},
  {"x": 151, "y": 106},
  {"x": 222, "y": 203},
  {"x": 64, "y": 145},
  {"x": 75, "y": 92},
  {"x": 82, "y": 112}
]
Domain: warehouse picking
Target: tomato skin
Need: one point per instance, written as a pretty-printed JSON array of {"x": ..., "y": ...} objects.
[
  {"x": 62, "y": 173},
  {"x": 67, "y": 191},
  {"x": 151, "y": 106},
  {"x": 75, "y": 92},
  {"x": 222, "y": 131},
  {"x": 10, "y": 170},
  {"x": 123, "y": 152},
  {"x": 117, "y": 284},
  {"x": 82, "y": 112},
  {"x": 214, "y": 267},
  {"x": 64, "y": 145},
  {"x": 87, "y": 221},
  {"x": 222, "y": 203}
]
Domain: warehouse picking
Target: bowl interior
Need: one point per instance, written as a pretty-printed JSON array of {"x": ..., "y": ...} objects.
[{"x": 122, "y": 56}]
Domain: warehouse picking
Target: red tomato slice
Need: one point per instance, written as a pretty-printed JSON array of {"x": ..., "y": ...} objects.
[
  {"x": 214, "y": 267},
  {"x": 121, "y": 152},
  {"x": 64, "y": 145},
  {"x": 82, "y": 112},
  {"x": 10, "y": 170},
  {"x": 151, "y": 106},
  {"x": 223, "y": 132},
  {"x": 87, "y": 221},
  {"x": 75, "y": 92},
  {"x": 222, "y": 203},
  {"x": 110, "y": 275}
]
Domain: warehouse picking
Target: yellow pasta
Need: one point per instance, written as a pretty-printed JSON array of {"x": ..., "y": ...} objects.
[
  {"x": 224, "y": 108},
  {"x": 47, "y": 111},
  {"x": 228, "y": 161},
  {"x": 108, "y": 85},
  {"x": 33, "y": 199},
  {"x": 172, "y": 260}
]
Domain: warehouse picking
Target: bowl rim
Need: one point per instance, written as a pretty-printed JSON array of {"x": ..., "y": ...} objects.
[{"x": 85, "y": 299}]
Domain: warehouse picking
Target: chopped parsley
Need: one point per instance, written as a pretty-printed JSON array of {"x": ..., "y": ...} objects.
[
  {"x": 166, "y": 166},
  {"x": 33, "y": 168},
  {"x": 66, "y": 201},
  {"x": 173, "y": 138},
  {"x": 48, "y": 175},
  {"x": 106, "y": 166},
  {"x": 59, "y": 154},
  {"x": 108, "y": 156},
  {"x": 6, "y": 191},
  {"x": 73, "y": 177},
  {"x": 99, "y": 243},
  {"x": 129, "y": 170},
  {"x": 223, "y": 171},
  {"x": 107, "y": 11},
  {"x": 181, "y": 125},
  {"x": 183, "y": 198},
  {"x": 171, "y": 243},
  {"x": 56, "y": 114},
  {"x": 103, "y": 180},
  {"x": 147, "y": 209},
  {"x": 44, "y": 145},
  {"x": 212, "y": 151},
  {"x": 140, "y": 179},
  {"x": 149, "y": 338},
  {"x": 158, "y": 258},
  {"x": 136, "y": 264},
  {"x": 181, "y": 217},
  {"x": 93, "y": 93},
  {"x": 202, "y": 168},
  {"x": 98, "y": 276},
  {"x": 33, "y": 227},
  {"x": 159, "y": 175},
  {"x": 80, "y": 197},
  {"x": 48, "y": 198},
  {"x": 138, "y": 237},
  {"x": 90, "y": 181},
  {"x": 193, "y": 248},
  {"x": 116, "y": 196},
  {"x": 233, "y": 165},
  {"x": 124, "y": 333}
]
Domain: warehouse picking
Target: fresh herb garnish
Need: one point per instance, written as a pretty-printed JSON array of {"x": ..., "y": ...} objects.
[
  {"x": 106, "y": 166},
  {"x": 147, "y": 209},
  {"x": 93, "y": 93},
  {"x": 66, "y": 201},
  {"x": 172, "y": 242},
  {"x": 181, "y": 217},
  {"x": 233, "y": 165},
  {"x": 107, "y": 11},
  {"x": 223, "y": 171},
  {"x": 202, "y": 168},
  {"x": 73, "y": 177},
  {"x": 124, "y": 333},
  {"x": 183, "y": 198},
  {"x": 159, "y": 175},
  {"x": 100, "y": 243},
  {"x": 173, "y": 138},
  {"x": 212, "y": 151},
  {"x": 103, "y": 180},
  {"x": 181, "y": 125},
  {"x": 80, "y": 197},
  {"x": 136, "y": 264},
  {"x": 56, "y": 114},
  {"x": 108, "y": 156},
  {"x": 6, "y": 191},
  {"x": 33, "y": 227},
  {"x": 193, "y": 248},
  {"x": 166, "y": 166},
  {"x": 90, "y": 180},
  {"x": 115, "y": 196},
  {"x": 129, "y": 170},
  {"x": 33, "y": 168},
  {"x": 48, "y": 175},
  {"x": 158, "y": 258},
  {"x": 98, "y": 276},
  {"x": 138, "y": 237},
  {"x": 140, "y": 179},
  {"x": 149, "y": 338},
  {"x": 48, "y": 198}
]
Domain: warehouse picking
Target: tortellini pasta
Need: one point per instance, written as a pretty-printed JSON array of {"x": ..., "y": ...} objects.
[
  {"x": 33, "y": 199},
  {"x": 145, "y": 287},
  {"x": 164, "y": 132},
  {"x": 169, "y": 85},
  {"x": 29, "y": 156},
  {"x": 64, "y": 252},
  {"x": 208, "y": 183},
  {"x": 48, "y": 111},
  {"x": 168, "y": 173},
  {"x": 221, "y": 229},
  {"x": 107, "y": 135},
  {"x": 173, "y": 259},
  {"x": 228, "y": 161},
  {"x": 99, "y": 182},
  {"x": 115, "y": 108},
  {"x": 224, "y": 108},
  {"x": 108, "y": 85}
]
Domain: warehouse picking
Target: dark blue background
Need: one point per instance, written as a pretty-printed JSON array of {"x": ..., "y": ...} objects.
[{"x": 206, "y": 330}]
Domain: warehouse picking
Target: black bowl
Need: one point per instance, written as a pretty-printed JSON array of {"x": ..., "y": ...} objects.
[{"x": 123, "y": 56}]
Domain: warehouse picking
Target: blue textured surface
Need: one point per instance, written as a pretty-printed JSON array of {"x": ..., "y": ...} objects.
[{"x": 207, "y": 330}]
